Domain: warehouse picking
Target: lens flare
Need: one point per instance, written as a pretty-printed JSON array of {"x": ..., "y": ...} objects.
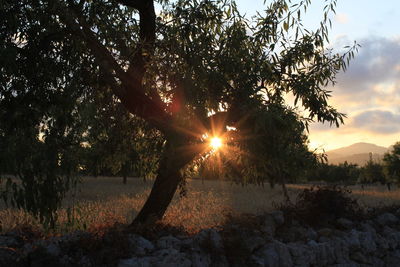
[{"x": 215, "y": 143}]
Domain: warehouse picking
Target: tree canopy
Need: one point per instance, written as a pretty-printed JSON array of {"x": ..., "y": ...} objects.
[
  {"x": 191, "y": 68},
  {"x": 391, "y": 164}
]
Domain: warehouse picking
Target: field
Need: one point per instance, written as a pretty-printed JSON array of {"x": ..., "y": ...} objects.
[{"x": 103, "y": 201}]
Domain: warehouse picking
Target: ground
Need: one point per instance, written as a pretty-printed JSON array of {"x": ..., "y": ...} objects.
[{"x": 103, "y": 201}]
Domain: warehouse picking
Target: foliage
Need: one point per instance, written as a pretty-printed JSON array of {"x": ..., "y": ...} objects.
[
  {"x": 372, "y": 172},
  {"x": 391, "y": 164},
  {"x": 319, "y": 205},
  {"x": 276, "y": 139},
  {"x": 119, "y": 143},
  {"x": 344, "y": 173},
  {"x": 69, "y": 65}
]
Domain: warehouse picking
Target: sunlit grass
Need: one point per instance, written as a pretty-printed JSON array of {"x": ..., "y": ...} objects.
[{"x": 104, "y": 201}]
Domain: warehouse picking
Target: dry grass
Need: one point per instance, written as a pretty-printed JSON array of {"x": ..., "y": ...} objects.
[{"x": 104, "y": 201}]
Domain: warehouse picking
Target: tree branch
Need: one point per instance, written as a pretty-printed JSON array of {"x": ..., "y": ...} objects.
[
  {"x": 131, "y": 92},
  {"x": 136, "y": 4}
]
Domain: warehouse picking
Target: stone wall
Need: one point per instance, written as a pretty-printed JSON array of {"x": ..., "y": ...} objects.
[{"x": 269, "y": 242}]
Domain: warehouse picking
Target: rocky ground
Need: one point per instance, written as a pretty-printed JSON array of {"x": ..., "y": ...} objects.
[{"x": 267, "y": 240}]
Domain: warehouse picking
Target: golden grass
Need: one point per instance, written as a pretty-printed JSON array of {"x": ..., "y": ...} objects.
[{"x": 105, "y": 201}]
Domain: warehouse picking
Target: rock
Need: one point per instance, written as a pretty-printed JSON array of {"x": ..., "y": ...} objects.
[
  {"x": 349, "y": 264},
  {"x": 53, "y": 249},
  {"x": 253, "y": 242},
  {"x": 200, "y": 259},
  {"x": 285, "y": 259},
  {"x": 341, "y": 250},
  {"x": 367, "y": 242},
  {"x": 8, "y": 256},
  {"x": 382, "y": 243},
  {"x": 135, "y": 262},
  {"x": 326, "y": 232},
  {"x": 269, "y": 255},
  {"x": 170, "y": 258},
  {"x": 278, "y": 217},
  {"x": 140, "y": 246},
  {"x": 84, "y": 262},
  {"x": 66, "y": 261},
  {"x": 322, "y": 254},
  {"x": 210, "y": 240},
  {"x": 367, "y": 227},
  {"x": 40, "y": 257},
  {"x": 256, "y": 261},
  {"x": 387, "y": 219},
  {"x": 187, "y": 243},
  {"x": 353, "y": 240},
  {"x": 359, "y": 257},
  {"x": 393, "y": 259},
  {"x": 300, "y": 253},
  {"x": 376, "y": 262},
  {"x": 169, "y": 242},
  {"x": 268, "y": 227},
  {"x": 11, "y": 241},
  {"x": 311, "y": 234},
  {"x": 345, "y": 223}
]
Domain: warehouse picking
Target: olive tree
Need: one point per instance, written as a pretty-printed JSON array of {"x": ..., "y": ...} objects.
[{"x": 191, "y": 68}]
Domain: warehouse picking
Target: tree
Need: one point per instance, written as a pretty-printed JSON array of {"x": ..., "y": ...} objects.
[
  {"x": 118, "y": 143},
  {"x": 372, "y": 172},
  {"x": 196, "y": 67},
  {"x": 391, "y": 164}
]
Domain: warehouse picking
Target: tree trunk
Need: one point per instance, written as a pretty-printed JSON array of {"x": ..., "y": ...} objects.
[
  {"x": 160, "y": 197},
  {"x": 284, "y": 189},
  {"x": 124, "y": 179},
  {"x": 165, "y": 185}
]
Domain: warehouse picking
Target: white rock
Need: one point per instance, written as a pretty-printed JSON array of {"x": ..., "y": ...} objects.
[
  {"x": 269, "y": 225},
  {"x": 367, "y": 242},
  {"x": 387, "y": 219},
  {"x": 53, "y": 249},
  {"x": 10, "y": 241},
  {"x": 170, "y": 258},
  {"x": 252, "y": 243},
  {"x": 353, "y": 240},
  {"x": 169, "y": 242},
  {"x": 140, "y": 246},
  {"x": 285, "y": 259},
  {"x": 135, "y": 262},
  {"x": 269, "y": 254},
  {"x": 279, "y": 219},
  {"x": 210, "y": 239},
  {"x": 345, "y": 223},
  {"x": 200, "y": 259}
]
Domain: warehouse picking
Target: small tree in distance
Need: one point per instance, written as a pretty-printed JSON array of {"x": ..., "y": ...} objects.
[
  {"x": 196, "y": 67},
  {"x": 391, "y": 164}
]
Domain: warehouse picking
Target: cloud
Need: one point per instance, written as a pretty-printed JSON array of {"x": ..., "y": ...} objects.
[
  {"x": 342, "y": 18},
  {"x": 377, "y": 121},
  {"x": 373, "y": 78},
  {"x": 369, "y": 93}
]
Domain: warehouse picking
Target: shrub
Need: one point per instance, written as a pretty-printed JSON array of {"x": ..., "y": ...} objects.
[{"x": 322, "y": 204}]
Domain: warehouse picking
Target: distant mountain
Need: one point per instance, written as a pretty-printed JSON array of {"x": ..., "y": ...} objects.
[
  {"x": 359, "y": 159},
  {"x": 357, "y": 153}
]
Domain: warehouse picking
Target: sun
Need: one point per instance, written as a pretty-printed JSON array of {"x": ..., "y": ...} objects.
[{"x": 215, "y": 142}]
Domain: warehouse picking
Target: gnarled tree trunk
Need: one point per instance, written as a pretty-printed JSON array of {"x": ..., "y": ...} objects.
[{"x": 175, "y": 156}]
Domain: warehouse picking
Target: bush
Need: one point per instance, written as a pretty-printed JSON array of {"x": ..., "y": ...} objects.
[{"x": 322, "y": 204}]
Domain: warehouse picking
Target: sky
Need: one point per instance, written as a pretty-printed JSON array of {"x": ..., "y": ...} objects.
[{"x": 369, "y": 91}]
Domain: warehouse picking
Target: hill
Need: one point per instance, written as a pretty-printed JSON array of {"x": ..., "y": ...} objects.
[{"x": 356, "y": 153}]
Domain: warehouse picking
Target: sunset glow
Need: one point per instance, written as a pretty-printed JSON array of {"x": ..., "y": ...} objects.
[{"x": 215, "y": 143}]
